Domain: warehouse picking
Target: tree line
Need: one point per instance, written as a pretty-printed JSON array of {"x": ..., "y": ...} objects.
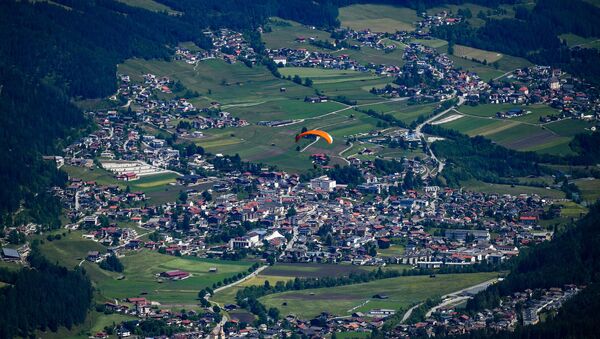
[{"x": 42, "y": 297}]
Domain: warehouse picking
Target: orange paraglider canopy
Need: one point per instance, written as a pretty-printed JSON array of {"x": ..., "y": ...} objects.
[{"x": 316, "y": 132}]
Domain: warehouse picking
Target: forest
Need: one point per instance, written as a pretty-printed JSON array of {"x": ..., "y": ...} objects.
[{"x": 63, "y": 301}]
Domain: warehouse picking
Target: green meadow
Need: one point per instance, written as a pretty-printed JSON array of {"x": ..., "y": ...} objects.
[{"x": 402, "y": 292}]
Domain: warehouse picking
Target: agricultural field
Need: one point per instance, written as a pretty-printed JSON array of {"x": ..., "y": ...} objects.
[
  {"x": 402, "y": 292},
  {"x": 350, "y": 84},
  {"x": 312, "y": 270},
  {"x": 227, "y": 296},
  {"x": 378, "y": 18},
  {"x": 140, "y": 277},
  {"x": 368, "y": 55},
  {"x": 229, "y": 84},
  {"x": 522, "y": 133}
]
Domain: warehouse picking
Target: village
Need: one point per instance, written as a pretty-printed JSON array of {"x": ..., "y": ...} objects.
[{"x": 285, "y": 219}]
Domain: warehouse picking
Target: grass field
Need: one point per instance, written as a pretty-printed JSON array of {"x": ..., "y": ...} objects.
[
  {"x": 576, "y": 40},
  {"x": 402, "y": 110},
  {"x": 402, "y": 292},
  {"x": 141, "y": 268},
  {"x": 393, "y": 250},
  {"x": 285, "y": 32},
  {"x": 477, "y": 54},
  {"x": 378, "y": 18},
  {"x": 485, "y": 72},
  {"x": 590, "y": 189},
  {"x": 150, "y": 5},
  {"x": 69, "y": 251}
]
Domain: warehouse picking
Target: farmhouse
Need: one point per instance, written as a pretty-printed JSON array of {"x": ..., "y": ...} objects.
[
  {"x": 9, "y": 254},
  {"x": 175, "y": 275}
]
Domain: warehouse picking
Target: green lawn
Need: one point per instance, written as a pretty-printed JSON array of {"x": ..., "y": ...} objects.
[
  {"x": 402, "y": 292},
  {"x": 378, "y": 18}
]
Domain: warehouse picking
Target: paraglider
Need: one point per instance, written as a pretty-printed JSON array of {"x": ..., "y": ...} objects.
[{"x": 316, "y": 132}]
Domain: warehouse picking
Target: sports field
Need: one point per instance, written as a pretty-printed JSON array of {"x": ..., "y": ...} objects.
[{"x": 402, "y": 292}]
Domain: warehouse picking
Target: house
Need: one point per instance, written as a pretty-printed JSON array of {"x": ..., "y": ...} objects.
[
  {"x": 93, "y": 256},
  {"x": 9, "y": 254},
  {"x": 91, "y": 221},
  {"x": 316, "y": 99}
]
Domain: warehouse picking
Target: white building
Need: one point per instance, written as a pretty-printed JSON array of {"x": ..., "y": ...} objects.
[{"x": 322, "y": 183}]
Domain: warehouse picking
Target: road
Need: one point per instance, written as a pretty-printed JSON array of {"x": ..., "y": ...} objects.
[
  {"x": 456, "y": 297},
  {"x": 409, "y": 312},
  {"x": 251, "y": 275},
  {"x": 419, "y": 134},
  {"x": 218, "y": 332}
]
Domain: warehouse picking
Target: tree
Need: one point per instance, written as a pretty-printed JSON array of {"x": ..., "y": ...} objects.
[
  {"x": 15, "y": 237},
  {"x": 308, "y": 82},
  {"x": 297, "y": 79},
  {"x": 182, "y": 197},
  {"x": 112, "y": 263}
]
